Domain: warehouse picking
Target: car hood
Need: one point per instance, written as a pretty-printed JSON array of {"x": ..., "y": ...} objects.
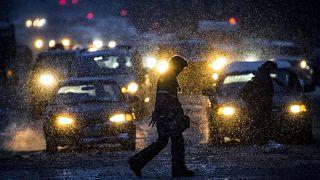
[
  {"x": 278, "y": 99},
  {"x": 122, "y": 79},
  {"x": 92, "y": 110}
]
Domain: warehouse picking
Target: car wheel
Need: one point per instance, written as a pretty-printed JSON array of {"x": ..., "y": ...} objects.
[{"x": 51, "y": 146}]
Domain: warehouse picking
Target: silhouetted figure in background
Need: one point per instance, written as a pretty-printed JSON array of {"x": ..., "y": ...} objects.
[
  {"x": 170, "y": 120},
  {"x": 258, "y": 94}
]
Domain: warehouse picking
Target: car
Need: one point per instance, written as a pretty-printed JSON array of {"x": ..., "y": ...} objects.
[
  {"x": 89, "y": 110},
  {"x": 302, "y": 67},
  {"x": 124, "y": 65},
  {"x": 50, "y": 68},
  {"x": 228, "y": 119}
]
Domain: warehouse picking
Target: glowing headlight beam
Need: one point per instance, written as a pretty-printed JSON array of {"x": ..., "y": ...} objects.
[
  {"x": 227, "y": 111},
  {"x": 46, "y": 79},
  {"x": 303, "y": 64},
  {"x": 215, "y": 76},
  {"x": 120, "y": 118},
  {"x": 132, "y": 87},
  {"x": 151, "y": 62},
  {"x": 62, "y": 120},
  {"x": 297, "y": 108},
  {"x": 219, "y": 63}
]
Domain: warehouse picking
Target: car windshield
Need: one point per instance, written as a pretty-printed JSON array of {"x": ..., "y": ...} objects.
[
  {"x": 119, "y": 64},
  {"x": 56, "y": 60},
  {"x": 283, "y": 82},
  {"x": 88, "y": 92}
]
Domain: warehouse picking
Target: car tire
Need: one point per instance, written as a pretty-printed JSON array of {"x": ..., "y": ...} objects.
[{"x": 51, "y": 146}]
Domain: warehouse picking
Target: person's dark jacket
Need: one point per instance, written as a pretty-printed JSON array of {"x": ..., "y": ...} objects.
[
  {"x": 168, "y": 113},
  {"x": 258, "y": 92}
]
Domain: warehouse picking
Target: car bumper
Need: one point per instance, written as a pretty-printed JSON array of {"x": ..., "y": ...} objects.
[
  {"x": 239, "y": 126},
  {"x": 106, "y": 133}
]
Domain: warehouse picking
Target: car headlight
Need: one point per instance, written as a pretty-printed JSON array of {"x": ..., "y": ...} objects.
[
  {"x": 46, "y": 79},
  {"x": 151, "y": 62},
  {"x": 122, "y": 117},
  {"x": 297, "y": 108},
  {"x": 132, "y": 87},
  {"x": 215, "y": 76},
  {"x": 227, "y": 111},
  {"x": 219, "y": 63},
  {"x": 303, "y": 64},
  {"x": 65, "y": 120}
]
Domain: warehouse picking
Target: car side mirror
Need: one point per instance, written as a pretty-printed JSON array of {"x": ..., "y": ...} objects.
[
  {"x": 309, "y": 88},
  {"x": 209, "y": 92}
]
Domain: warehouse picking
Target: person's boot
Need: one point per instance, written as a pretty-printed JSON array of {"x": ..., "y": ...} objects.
[
  {"x": 182, "y": 172},
  {"x": 134, "y": 168}
]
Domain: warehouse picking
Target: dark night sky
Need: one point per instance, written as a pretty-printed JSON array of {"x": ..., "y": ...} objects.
[{"x": 278, "y": 19}]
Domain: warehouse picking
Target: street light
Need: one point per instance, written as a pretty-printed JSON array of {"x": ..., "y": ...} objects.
[
  {"x": 38, "y": 43},
  {"x": 65, "y": 42},
  {"x": 112, "y": 44},
  {"x": 28, "y": 23},
  {"x": 52, "y": 43},
  {"x": 97, "y": 43}
]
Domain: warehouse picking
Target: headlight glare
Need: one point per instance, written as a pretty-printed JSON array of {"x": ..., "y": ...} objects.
[
  {"x": 296, "y": 108},
  {"x": 227, "y": 111},
  {"x": 46, "y": 79},
  {"x": 64, "y": 120},
  {"x": 219, "y": 63},
  {"x": 120, "y": 118},
  {"x": 132, "y": 87},
  {"x": 303, "y": 64}
]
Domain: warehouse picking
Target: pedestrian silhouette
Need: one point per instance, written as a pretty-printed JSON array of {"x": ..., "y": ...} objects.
[
  {"x": 169, "y": 118},
  {"x": 258, "y": 94}
]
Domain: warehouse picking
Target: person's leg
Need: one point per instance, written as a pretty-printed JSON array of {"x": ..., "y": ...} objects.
[
  {"x": 178, "y": 157},
  {"x": 140, "y": 159},
  {"x": 177, "y": 151}
]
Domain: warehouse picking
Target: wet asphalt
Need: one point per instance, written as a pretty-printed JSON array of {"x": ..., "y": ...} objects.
[{"x": 23, "y": 156}]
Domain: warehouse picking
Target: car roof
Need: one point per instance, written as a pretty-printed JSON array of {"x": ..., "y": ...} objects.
[
  {"x": 88, "y": 79},
  {"x": 245, "y": 66},
  {"x": 58, "y": 52},
  {"x": 115, "y": 51}
]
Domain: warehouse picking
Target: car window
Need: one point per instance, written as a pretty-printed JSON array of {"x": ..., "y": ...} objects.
[
  {"x": 238, "y": 78},
  {"x": 283, "y": 82},
  {"x": 57, "y": 60},
  {"x": 113, "y": 63},
  {"x": 286, "y": 81},
  {"x": 88, "y": 92},
  {"x": 232, "y": 84}
]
